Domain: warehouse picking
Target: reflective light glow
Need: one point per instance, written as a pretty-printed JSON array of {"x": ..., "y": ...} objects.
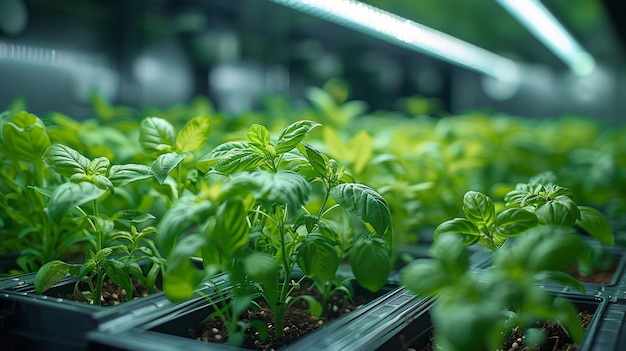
[
  {"x": 376, "y": 22},
  {"x": 539, "y": 21}
]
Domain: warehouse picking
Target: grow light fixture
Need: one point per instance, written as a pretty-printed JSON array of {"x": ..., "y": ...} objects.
[
  {"x": 390, "y": 27},
  {"x": 539, "y": 21}
]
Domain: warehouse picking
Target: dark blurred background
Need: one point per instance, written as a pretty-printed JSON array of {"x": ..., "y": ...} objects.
[{"x": 54, "y": 54}]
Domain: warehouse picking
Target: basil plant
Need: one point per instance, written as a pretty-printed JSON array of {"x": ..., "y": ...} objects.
[{"x": 267, "y": 208}]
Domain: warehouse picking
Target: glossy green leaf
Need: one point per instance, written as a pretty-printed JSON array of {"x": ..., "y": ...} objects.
[
  {"x": 258, "y": 135},
  {"x": 220, "y": 152},
  {"x": 25, "y": 137},
  {"x": 156, "y": 136},
  {"x": 99, "y": 165},
  {"x": 121, "y": 175},
  {"x": 69, "y": 195},
  {"x": 237, "y": 161},
  {"x": 117, "y": 272},
  {"x": 561, "y": 211},
  {"x": 134, "y": 216},
  {"x": 181, "y": 278},
  {"x": 230, "y": 232},
  {"x": 561, "y": 278},
  {"x": 164, "y": 164},
  {"x": 293, "y": 134},
  {"x": 365, "y": 203},
  {"x": 65, "y": 160},
  {"x": 514, "y": 221},
  {"x": 194, "y": 134},
  {"x": 318, "y": 161},
  {"x": 179, "y": 217},
  {"x": 284, "y": 187},
  {"x": 318, "y": 257},
  {"x": 49, "y": 274},
  {"x": 479, "y": 208},
  {"x": 424, "y": 277},
  {"x": 260, "y": 267},
  {"x": 370, "y": 261},
  {"x": 596, "y": 224},
  {"x": 461, "y": 226}
]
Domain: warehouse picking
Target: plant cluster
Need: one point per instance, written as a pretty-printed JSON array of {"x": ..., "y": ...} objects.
[{"x": 267, "y": 207}]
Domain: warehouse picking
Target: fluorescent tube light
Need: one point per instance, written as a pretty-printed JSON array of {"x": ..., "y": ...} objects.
[
  {"x": 539, "y": 21},
  {"x": 390, "y": 27}
]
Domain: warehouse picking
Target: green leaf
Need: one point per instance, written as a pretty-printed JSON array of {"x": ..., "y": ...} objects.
[
  {"x": 218, "y": 153},
  {"x": 479, "y": 208},
  {"x": 117, "y": 272},
  {"x": 134, "y": 216},
  {"x": 156, "y": 136},
  {"x": 318, "y": 257},
  {"x": 567, "y": 314},
  {"x": 182, "y": 215},
  {"x": 99, "y": 166},
  {"x": 461, "y": 226},
  {"x": 514, "y": 221},
  {"x": 49, "y": 274},
  {"x": 318, "y": 161},
  {"x": 370, "y": 261},
  {"x": 365, "y": 203},
  {"x": 561, "y": 211},
  {"x": 425, "y": 277},
  {"x": 452, "y": 254},
  {"x": 260, "y": 267},
  {"x": 194, "y": 134},
  {"x": 65, "y": 160},
  {"x": 596, "y": 224},
  {"x": 181, "y": 278},
  {"x": 230, "y": 232},
  {"x": 69, "y": 195},
  {"x": 238, "y": 160},
  {"x": 293, "y": 134},
  {"x": 25, "y": 137},
  {"x": 284, "y": 187},
  {"x": 121, "y": 175},
  {"x": 164, "y": 164},
  {"x": 258, "y": 135}
]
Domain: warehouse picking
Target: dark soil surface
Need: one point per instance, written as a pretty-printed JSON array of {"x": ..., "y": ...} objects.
[
  {"x": 298, "y": 322},
  {"x": 602, "y": 277},
  {"x": 557, "y": 338},
  {"x": 112, "y": 294}
]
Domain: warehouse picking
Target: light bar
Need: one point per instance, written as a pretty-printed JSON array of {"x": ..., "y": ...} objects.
[
  {"x": 539, "y": 21},
  {"x": 390, "y": 27}
]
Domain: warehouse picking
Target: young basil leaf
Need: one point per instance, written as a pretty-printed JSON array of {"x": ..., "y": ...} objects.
[
  {"x": 365, "y": 203},
  {"x": 260, "y": 267},
  {"x": 99, "y": 165},
  {"x": 194, "y": 134},
  {"x": 549, "y": 247},
  {"x": 370, "y": 261},
  {"x": 25, "y": 137},
  {"x": 238, "y": 160},
  {"x": 69, "y": 195},
  {"x": 478, "y": 321},
  {"x": 258, "y": 135},
  {"x": 182, "y": 215},
  {"x": 180, "y": 281},
  {"x": 479, "y": 208},
  {"x": 65, "y": 161},
  {"x": 134, "y": 216},
  {"x": 451, "y": 253},
  {"x": 156, "y": 136},
  {"x": 318, "y": 161},
  {"x": 561, "y": 278},
  {"x": 560, "y": 211},
  {"x": 318, "y": 257},
  {"x": 567, "y": 314},
  {"x": 514, "y": 221},
  {"x": 49, "y": 274},
  {"x": 596, "y": 224},
  {"x": 164, "y": 164},
  {"x": 218, "y": 153},
  {"x": 425, "y": 277},
  {"x": 461, "y": 226},
  {"x": 230, "y": 232},
  {"x": 284, "y": 187},
  {"x": 293, "y": 134},
  {"x": 121, "y": 175},
  {"x": 117, "y": 272}
]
